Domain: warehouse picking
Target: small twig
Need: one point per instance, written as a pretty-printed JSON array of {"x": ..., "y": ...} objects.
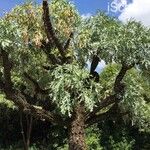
[
  {"x": 67, "y": 44},
  {"x": 29, "y": 129},
  {"x": 22, "y": 132}
]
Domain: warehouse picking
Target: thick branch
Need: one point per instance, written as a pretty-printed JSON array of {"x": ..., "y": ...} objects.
[
  {"x": 37, "y": 87},
  {"x": 7, "y": 69},
  {"x": 94, "y": 63},
  {"x": 46, "y": 47},
  {"x": 39, "y": 113},
  {"x": 49, "y": 29},
  {"x": 104, "y": 103},
  {"x": 93, "y": 74},
  {"x": 120, "y": 76},
  {"x": 52, "y": 58},
  {"x": 67, "y": 44},
  {"x": 1, "y": 85},
  {"x": 98, "y": 118},
  {"x": 107, "y": 115},
  {"x": 119, "y": 92},
  {"x": 18, "y": 99}
]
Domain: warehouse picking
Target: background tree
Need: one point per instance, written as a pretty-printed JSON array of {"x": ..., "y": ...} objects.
[{"x": 43, "y": 67}]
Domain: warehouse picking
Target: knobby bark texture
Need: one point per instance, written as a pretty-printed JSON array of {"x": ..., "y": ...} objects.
[{"x": 76, "y": 130}]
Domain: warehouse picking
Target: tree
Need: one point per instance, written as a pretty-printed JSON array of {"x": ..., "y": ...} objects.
[{"x": 43, "y": 67}]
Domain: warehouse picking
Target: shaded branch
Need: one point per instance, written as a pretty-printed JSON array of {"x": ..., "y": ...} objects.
[
  {"x": 22, "y": 132},
  {"x": 37, "y": 87},
  {"x": 46, "y": 47},
  {"x": 19, "y": 99},
  {"x": 29, "y": 120},
  {"x": 120, "y": 76},
  {"x": 94, "y": 63},
  {"x": 104, "y": 103},
  {"x": 1, "y": 85},
  {"x": 45, "y": 102},
  {"x": 115, "y": 98},
  {"x": 104, "y": 116},
  {"x": 49, "y": 67},
  {"x": 7, "y": 65},
  {"x": 98, "y": 118},
  {"x": 67, "y": 44},
  {"x": 93, "y": 74},
  {"x": 52, "y": 58},
  {"x": 38, "y": 112}
]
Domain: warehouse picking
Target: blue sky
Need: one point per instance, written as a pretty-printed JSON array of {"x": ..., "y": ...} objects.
[
  {"x": 90, "y": 6},
  {"x": 84, "y": 6}
]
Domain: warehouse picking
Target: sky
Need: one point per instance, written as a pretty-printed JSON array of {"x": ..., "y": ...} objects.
[
  {"x": 138, "y": 10},
  {"x": 122, "y": 9},
  {"x": 85, "y": 7}
]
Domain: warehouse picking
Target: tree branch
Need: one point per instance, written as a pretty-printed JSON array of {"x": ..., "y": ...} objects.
[
  {"x": 104, "y": 103},
  {"x": 7, "y": 69},
  {"x": 49, "y": 29},
  {"x": 93, "y": 74},
  {"x": 120, "y": 76},
  {"x": 67, "y": 44},
  {"x": 37, "y": 87},
  {"x": 19, "y": 99},
  {"x": 38, "y": 112},
  {"x": 22, "y": 132},
  {"x": 115, "y": 98},
  {"x": 46, "y": 47},
  {"x": 107, "y": 115},
  {"x": 98, "y": 118},
  {"x": 94, "y": 63}
]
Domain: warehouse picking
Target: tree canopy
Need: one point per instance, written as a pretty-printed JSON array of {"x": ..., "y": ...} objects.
[{"x": 44, "y": 51}]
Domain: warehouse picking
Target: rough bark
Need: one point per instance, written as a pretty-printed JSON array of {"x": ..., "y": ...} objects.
[
  {"x": 76, "y": 130},
  {"x": 49, "y": 29}
]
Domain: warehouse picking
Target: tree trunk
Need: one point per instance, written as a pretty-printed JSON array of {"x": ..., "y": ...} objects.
[{"x": 76, "y": 130}]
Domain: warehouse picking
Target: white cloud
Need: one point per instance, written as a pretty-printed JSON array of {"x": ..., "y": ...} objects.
[
  {"x": 86, "y": 16},
  {"x": 138, "y": 10}
]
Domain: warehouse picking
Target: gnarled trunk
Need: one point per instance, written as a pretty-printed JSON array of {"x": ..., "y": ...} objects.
[{"x": 76, "y": 130}]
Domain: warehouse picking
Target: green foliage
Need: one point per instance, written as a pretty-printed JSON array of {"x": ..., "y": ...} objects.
[
  {"x": 114, "y": 41},
  {"x": 71, "y": 85},
  {"x": 135, "y": 92},
  {"x": 122, "y": 145},
  {"x": 10, "y": 34},
  {"x": 22, "y": 33},
  {"x": 6, "y": 102},
  {"x": 107, "y": 78},
  {"x": 92, "y": 138},
  {"x": 134, "y": 100}
]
